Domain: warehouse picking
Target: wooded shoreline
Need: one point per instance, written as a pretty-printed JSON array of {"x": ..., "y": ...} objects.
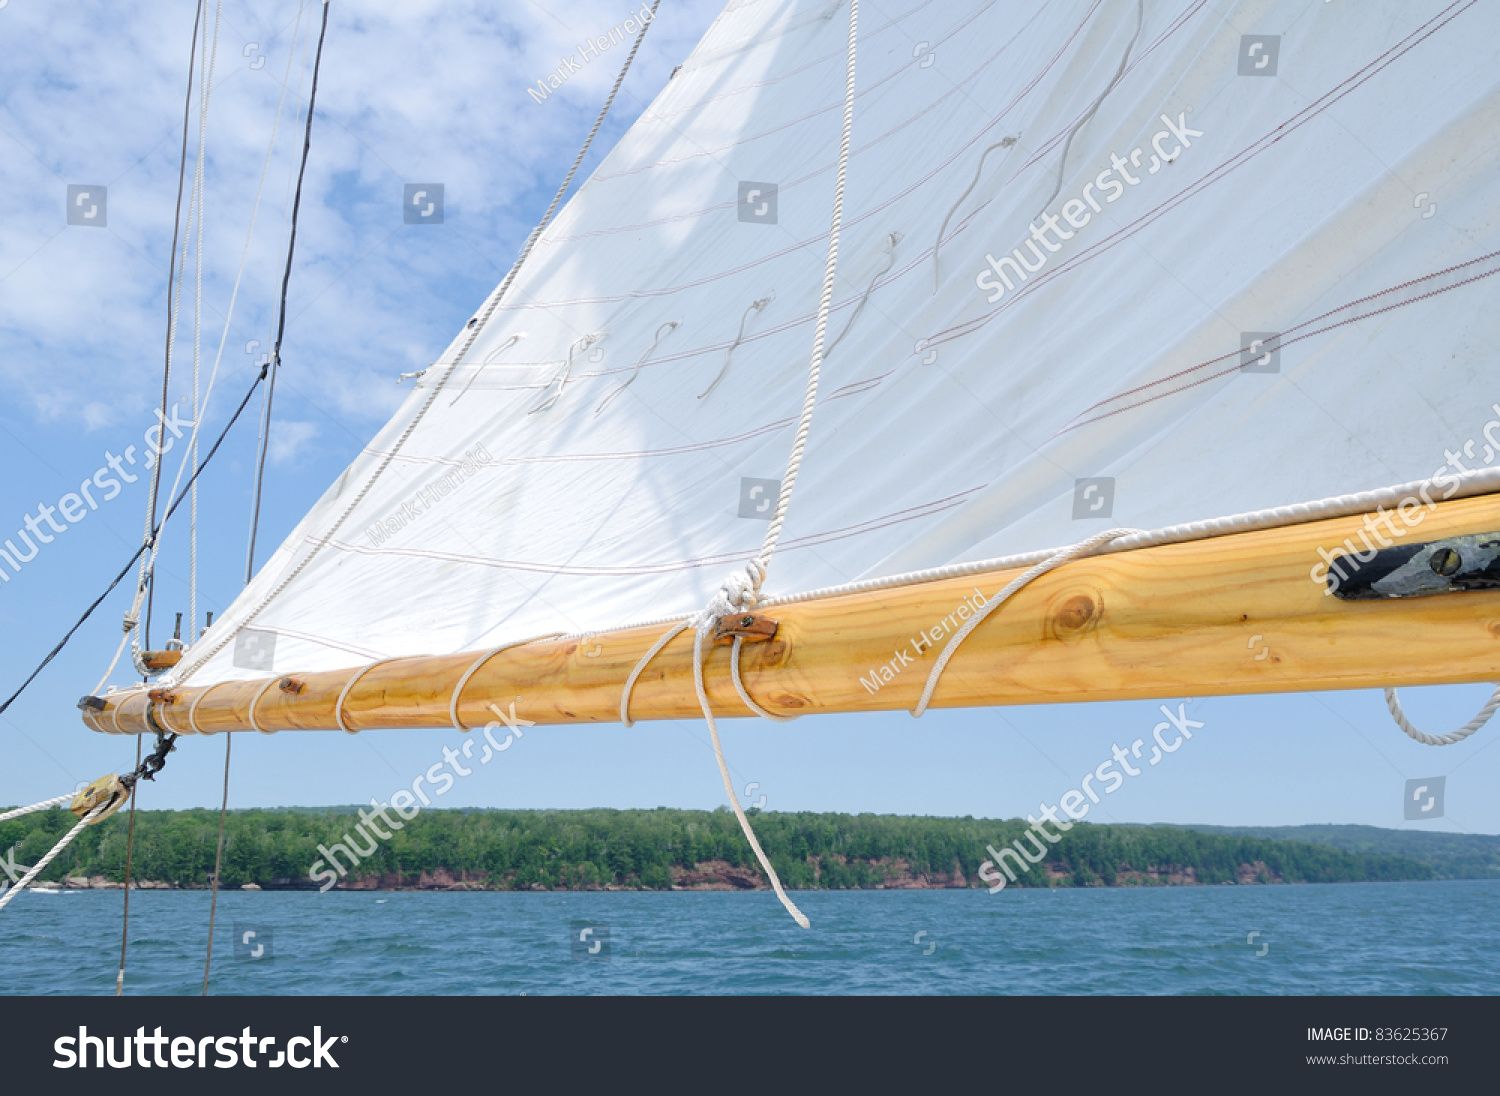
[{"x": 661, "y": 849}]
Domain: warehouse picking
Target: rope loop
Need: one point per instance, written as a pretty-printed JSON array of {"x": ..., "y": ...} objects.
[
  {"x": 1057, "y": 559},
  {"x": 734, "y": 801},
  {"x": 740, "y": 591},
  {"x": 1393, "y": 702},
  {"x": 739, "y": 687},
  {"x": 474, "y": 668},
  {"x": 250, "y": 715},
  {"x": 193, "y": 709},
  {"x": 338, "y": 708}
]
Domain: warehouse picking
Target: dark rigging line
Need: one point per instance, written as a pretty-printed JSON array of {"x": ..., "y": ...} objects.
[
  {"x": 129, "y": 851},
  {"x": 166, "y": 383},
  {"x": 260, "y": 470},
  {"x": 286, "y": 277},
  {"x": 213, "y": 906},
  {"x": 166, "y": 377},
  {"x": 151, "y": 541}
]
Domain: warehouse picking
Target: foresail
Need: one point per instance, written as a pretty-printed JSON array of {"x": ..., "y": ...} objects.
[{"x": 1197, "y": 272}]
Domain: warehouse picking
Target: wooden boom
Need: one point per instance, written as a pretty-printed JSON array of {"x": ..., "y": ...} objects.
[{"x": 1231, "y": 614}]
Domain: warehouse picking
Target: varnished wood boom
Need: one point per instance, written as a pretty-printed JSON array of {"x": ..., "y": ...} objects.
[{"x": 1233, "y": 614}]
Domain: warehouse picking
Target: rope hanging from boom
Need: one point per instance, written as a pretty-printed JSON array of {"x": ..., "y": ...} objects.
[{"x": 741, "y": 589}]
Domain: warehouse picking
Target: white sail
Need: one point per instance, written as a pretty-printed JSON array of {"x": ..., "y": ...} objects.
[{"x": 1259, "y": 276}]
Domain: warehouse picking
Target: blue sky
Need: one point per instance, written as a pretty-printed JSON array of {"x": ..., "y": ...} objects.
[{"x": 429, "y": 93}]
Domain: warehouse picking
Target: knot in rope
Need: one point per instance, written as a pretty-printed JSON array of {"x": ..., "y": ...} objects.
[
  {"x": 739, "y": 593},
  {"x": 741, "y": 590}
]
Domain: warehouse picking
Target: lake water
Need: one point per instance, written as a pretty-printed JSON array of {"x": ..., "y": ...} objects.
[{"x": 1369, "y": 938}]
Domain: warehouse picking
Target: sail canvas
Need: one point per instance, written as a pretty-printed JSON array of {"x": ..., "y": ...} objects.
[{"x": 1109, "y": 265}]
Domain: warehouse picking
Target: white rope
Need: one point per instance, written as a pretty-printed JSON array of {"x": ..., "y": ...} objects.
[
  {"x": 1082, "y": 548},
  {"x": 250, "y": 716},
  {"x": 124, "y": 639},
  {"x": 193, "y": 708},
  {"x": 740, "y": 590},
  {"x": 40, "y": 865},
  {"x": 739, "y": 812},
  {"x": 739, "y": 687},
  {"x": 195, "y": 215},
  {"x": 1490, "y": 707},
  {"x": 669, "y": 326},
  {"x": 474, "y": 669},
  {"x": 646, "y": 658},
  {"x": 503, "y": 347},
  {"x": 754, "y": 306},
  {"x": 45, "y": 804},
  {"x": 338, "y": 708},
  {"x": 1062, "y": 163},
  {"x": 561, "y": 379},
  {"x": 184, "y": 672},
  {"x": 810, "y": 397},
  {"x": 734, "y": 673}
]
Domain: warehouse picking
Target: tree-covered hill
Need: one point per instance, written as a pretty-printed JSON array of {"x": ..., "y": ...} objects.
[
  {"x": 659, "y": 849},
  {"x": 1452, "y": 855}
]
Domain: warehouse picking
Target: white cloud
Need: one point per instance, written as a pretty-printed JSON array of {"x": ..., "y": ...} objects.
[
  {"x": 408, "y": 92},
  {"x": 289, "y": 440}
]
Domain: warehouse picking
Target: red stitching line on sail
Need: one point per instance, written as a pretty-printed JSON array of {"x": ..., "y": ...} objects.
[
  {"x": 905, "y": 65},
  {"x": 1051, "y": 143},
  {"x": 812, "y": 540},
  {"x": 1243, "y": 157},
  {"x": 1057, "y": 138},
  {"x": 741, "y": 89},
  {"x": 1235, "y": 368},
  {"x": 1182, "y": 18},
  {"x": 802, "y": 244},
  {"x": 855, "y": 389},
  {"x": 1284, "y": 341},
  {"x": 1214, "y": 176}
]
